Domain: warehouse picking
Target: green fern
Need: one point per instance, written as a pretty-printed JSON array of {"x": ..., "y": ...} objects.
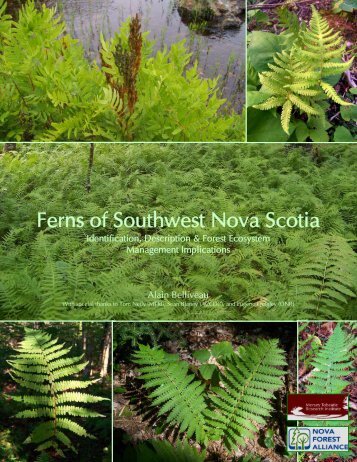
[
  {"x": 325, "y": 280},
  {"x": 50, "y": 91},
  {"x": 231, "y": 411},
  {"x": 41, "y": 365},
  {"x": 295, "y": 78},
  {"x": 322, "y": 45},
  {"x": 163, "y": 451},
  {"x": 249, "y": 381},
  {"x": 332, "y": 363},
  {"x": 175, "y": 390}
]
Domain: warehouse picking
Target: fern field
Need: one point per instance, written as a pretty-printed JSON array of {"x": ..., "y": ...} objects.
[
  {"x": 196, "y": 398},
  {"x": 66, "y": 271},
  {"x": 51, "y": 91}
]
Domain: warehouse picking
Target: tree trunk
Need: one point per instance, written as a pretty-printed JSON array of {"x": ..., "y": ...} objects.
[
  {"x": 84, "y": 336},
  {"x": 9, "y": 147},
  {"x": 106, "y": 351},
  {"x": 90, "y": 167}
]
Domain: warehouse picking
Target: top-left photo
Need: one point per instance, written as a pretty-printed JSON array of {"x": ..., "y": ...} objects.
[{"x": 122, "y": 70}]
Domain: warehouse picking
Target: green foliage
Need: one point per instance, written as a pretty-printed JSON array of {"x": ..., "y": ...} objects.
[
  {"x": 347, "y": 6},
  {"x": 51, "y": 92},
  {"x": 332, "y": 363},
  {"x": 242, "y": 402},
  {"x": 230, "y": 411},
  {"x": 54, "y": 396},
  {"x": 175, "y": 390},
  {"x": 134, "y": 333},
  {"x": 326, "y": 277},
  {"x": 299, "y": 78},
  {"x": 55, "y": 273},
  {"x": 163, "y": 451}
]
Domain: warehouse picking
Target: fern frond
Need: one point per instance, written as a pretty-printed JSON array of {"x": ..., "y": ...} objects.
[
  {"x": 286, "y": 115},
  {"x": 297, "y": 76},
  {"x": 163, "y": 451},
  {"x": 250, "y": 379},
  {"x": 301, "y": 104},
  {"x": 331, "y": 93},
  {"x": 174, "y": 389},
  {"x": 324, "y": 281},
  {"x": 332, "y": 363},
  {"x": 270, "y": 103},
  {"x": 38, "y": 365}
]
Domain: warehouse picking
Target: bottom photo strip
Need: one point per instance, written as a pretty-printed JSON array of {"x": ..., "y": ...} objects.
[{"x": 178, "y": 391}]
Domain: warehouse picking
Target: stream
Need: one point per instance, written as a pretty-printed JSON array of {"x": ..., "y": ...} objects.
[{"x": 219, "y": 52}]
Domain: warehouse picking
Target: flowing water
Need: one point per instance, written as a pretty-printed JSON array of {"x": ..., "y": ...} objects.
[{"x": 219, "y": 52}]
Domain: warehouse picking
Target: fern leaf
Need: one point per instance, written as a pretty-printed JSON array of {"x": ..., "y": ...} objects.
[
  {"x": 286, "y": 115},
  {"x": 303, "y": 106},
  {"x": 270, "y": 103},
  {"x": 332, "y": 363},
  {"x": 38, "y": 365},
  {"x": 250, "y": 379},
  {"x": 331, "y": 93},
  {"x": 178, "y": 394},
  {"x": 324, "y": 281},
  {"x": 297, "y": 76}
]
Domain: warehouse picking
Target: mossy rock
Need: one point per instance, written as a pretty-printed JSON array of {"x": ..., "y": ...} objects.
[{"x": 217, "y": 13}]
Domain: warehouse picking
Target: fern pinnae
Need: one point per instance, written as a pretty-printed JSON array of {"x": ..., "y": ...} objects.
[
  {"x": 286, "y": 115},
  {"x": 38, "y": 365},
  {"x": 174, "y": 389},
  {"x": 332, "y": 364},
  {"x": 250, "y": 378},
  {"x": 331, "y": 93}
]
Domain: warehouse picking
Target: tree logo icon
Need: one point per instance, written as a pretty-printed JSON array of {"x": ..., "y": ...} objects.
[{"x": 299, "y": 439}]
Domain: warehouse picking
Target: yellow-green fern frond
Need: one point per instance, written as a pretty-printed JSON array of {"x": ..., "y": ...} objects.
[
  {"x": 270, "y": 84},
  {"x": 303, "y": 106},
  {"x": 331, "y": 93},
  {"x": 270, "y": 103},
  {"x": 39, "y": 365},
  {"x": 286, "y": 115},
  {"x": 322, "y": 44},
  {"x": 306, "y": 92},
  {"x": 338, "y": 67}
]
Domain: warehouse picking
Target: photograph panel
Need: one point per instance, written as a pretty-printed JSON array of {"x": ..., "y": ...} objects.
[
  {"x": 301, "y": 84},
  {"x": 144, "y": 70},
  {"x": 202, "y": 391},
  {"x": 327, "y": 368},
  {"x": 56, "y": 390},
  {"x": 194, "y": 231}
]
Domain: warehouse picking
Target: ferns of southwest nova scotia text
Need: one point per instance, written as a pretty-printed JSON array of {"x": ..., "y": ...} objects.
[
  {"x": 43, "y": 368},
  {"x": 230, "y": 412}
]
